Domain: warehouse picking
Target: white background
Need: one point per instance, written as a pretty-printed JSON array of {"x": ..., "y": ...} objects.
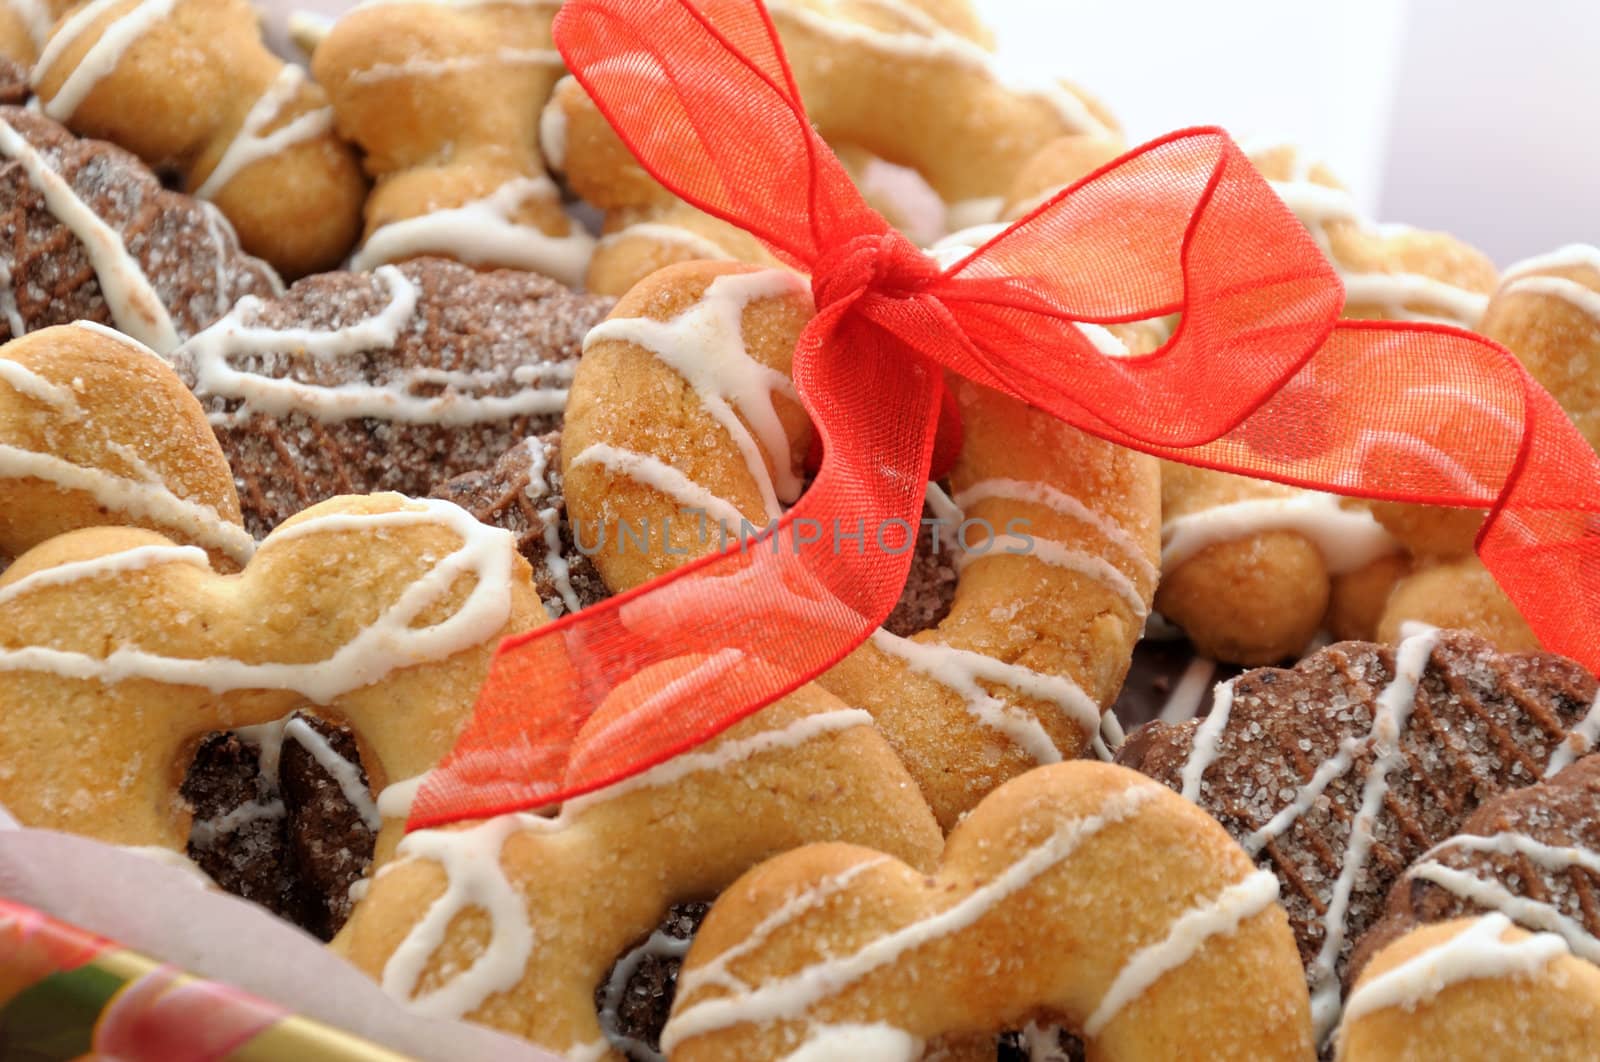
[{"x": 1480, "y": 117}]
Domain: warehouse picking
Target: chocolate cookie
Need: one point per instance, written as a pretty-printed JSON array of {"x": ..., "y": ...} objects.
[
  {"x": 1532, "y": 855},
  {"x": 273, "y": 824},
  {"x": 522, "y": 493},
  {"x": 88, "y": 233},
  {"x": 1339, "y": 773},
  {"x": 398, "y": 379}
]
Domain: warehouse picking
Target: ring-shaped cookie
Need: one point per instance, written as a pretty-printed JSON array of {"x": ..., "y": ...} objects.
[
  {"x": 514, "y": 922},
  {"x": 682, "y": 424}
]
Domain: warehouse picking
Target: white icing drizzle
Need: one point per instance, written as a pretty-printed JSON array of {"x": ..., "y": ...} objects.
[
  {"x": 136, "y": 559},
  {"x": 395, "y": 801},
  {"x": 1305, "y": 796},
  {"x": 390, "y": 642},
  {"x": 962, "y": 672},
  {"x": 787, "y": 998},
  {"x": 1347, "y": 538},
  {"x": 1059, "y": 555},
  {"x": 1580, "y": 741},
  {"x": 470, "y": 859},
  {"x": 456, "y": 64},
  {"x": 204, "y": 833},
  {"x": 1583, "y": 297},
  {"x": 147, "y": 499},
  {"x": 1050, "y": 497},
  {"x": 1183, "y": 703},
  {"x": 554, "y": 561},
  {"x": 656, "y": 474},
  {"x": 1207, "y": 740},
  {"x": 1109, "y": 738},
  {"x": 1497, "y": 897},
  {"x": 715, "y": 970},
  {"x": 250, "y": 145},
  {"x": 657, "y": 943},
  {"x": 482, "y": 233},
  {"x": 1315, "y": 204},
  {"x": 705, "y": 345},
  {"x": 8, "y": 304},
  {"x": 1391, "y": 714},
  {"x": 269, "y": 738},
  {"x": 308, "y": 29},
  {"x": 1043, "y": 1043},
  {"x": 1572, "y": 256},
  {"x": 132, "y": 301},
  {"x": 961, "y": 244},
  {"x": 30, "y": 384},
  {"x": 1220, "y": 916},
  {"x": 103, "y": 55},
  {"x": 1475, "y": 953},
  {"x": 944, "y": 509},
  {"x": 471, "y": 862},
  {"x": 1557, "y": 859},
  {"x": 700, "y": 247},
  {"x": 210, "y": 353},
  {"x": 936, "y": 44},
  {"x": 878, "y": 1042}
]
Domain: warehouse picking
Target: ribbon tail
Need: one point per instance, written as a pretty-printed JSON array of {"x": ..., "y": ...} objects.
[{"x": 632, "y": 681}]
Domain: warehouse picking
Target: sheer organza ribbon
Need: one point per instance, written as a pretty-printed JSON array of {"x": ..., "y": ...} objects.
[{"x": 1260, "y": 378}]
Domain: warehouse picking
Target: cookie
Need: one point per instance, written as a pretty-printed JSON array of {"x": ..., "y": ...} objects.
[
  {"x": 903, "y": 82},
  {"x": 1532, "y": 855},
  {"x": 683, "y": 434},
  {"x": 397, "y": 379},
  {"x": 282, "y": 816},
  {"x": 523, "y": 493},
  {"x": 120, "y": 651},
  {"x": 1547, "y": 312},
  {"x": 443, "y": 100},
  {"x": 1339, "y": 773},
  {"x": 235, "y": 124},
  {"x": 92, "y": 236},
  {"x": 1477, "y": 988},
  {"x": 95, "y": 430},
  {"x": 1078, "y": 894},
  {"x": 537, "y": 924}
]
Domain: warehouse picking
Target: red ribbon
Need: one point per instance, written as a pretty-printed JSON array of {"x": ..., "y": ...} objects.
[{"x": 1261, "y": 378}]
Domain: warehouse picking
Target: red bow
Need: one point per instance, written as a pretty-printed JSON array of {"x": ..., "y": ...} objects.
[{"x": 1261, "y": 378}]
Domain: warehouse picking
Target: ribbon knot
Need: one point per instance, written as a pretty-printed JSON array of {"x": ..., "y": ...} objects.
[
  {"x": 884, "y": 264},
  {"x": 1259, "y": 378}
]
